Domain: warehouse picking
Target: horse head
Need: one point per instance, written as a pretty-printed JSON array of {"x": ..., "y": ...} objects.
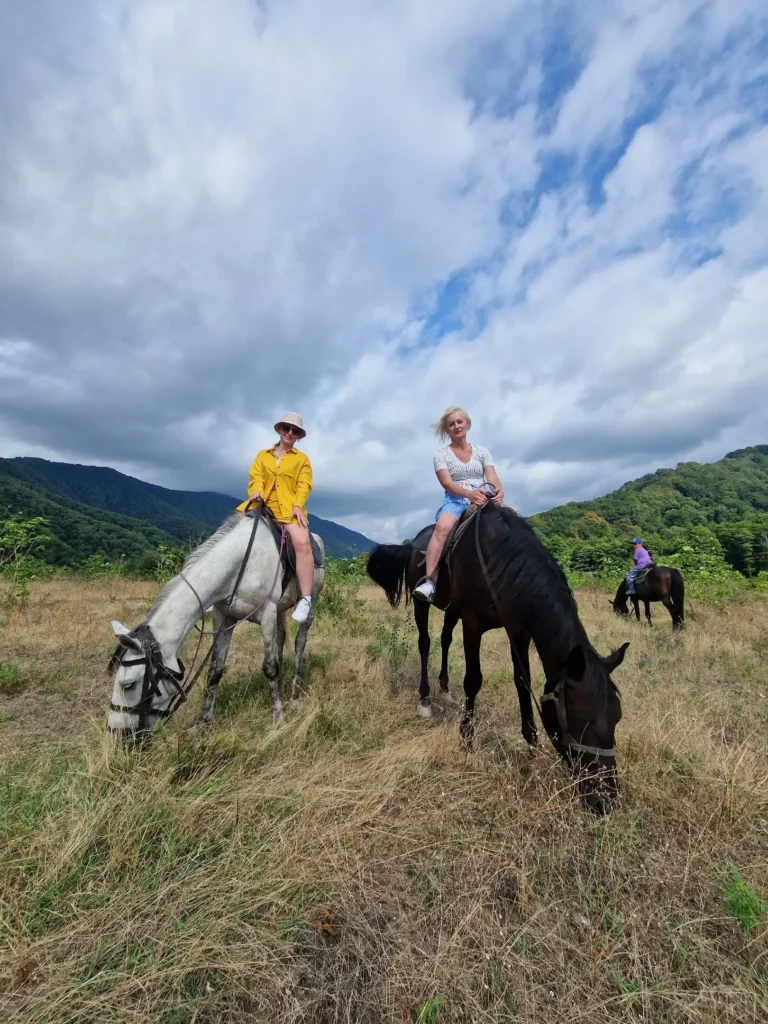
[
  {"x": 144, "y": 685},
  {"x": 581, "y": 709}
]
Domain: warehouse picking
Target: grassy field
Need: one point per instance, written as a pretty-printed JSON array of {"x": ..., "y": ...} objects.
[{"x": 355, "y": 864}]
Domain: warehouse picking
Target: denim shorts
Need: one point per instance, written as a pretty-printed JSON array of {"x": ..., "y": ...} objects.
[{"x": 453, "y": 504}]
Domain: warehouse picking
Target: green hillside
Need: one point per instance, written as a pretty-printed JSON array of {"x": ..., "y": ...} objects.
[
  {"x": 77, "y": 531},
  {"x": 142, "y": 514},
  {"x": 717, "y": 509}
]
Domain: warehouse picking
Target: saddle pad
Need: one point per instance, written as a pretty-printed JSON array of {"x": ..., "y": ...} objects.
[
  {"x": 459, "y": 528},
  {"x": 640, "y": 578},
  {"x": 289, "y": 555}
]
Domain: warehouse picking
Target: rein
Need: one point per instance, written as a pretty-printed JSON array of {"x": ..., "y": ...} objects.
[
  {"x": 556, "y": 693},
  {"x": 155, "y": 668}
]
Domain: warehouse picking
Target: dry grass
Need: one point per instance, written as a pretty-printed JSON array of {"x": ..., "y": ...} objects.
[{"x": 355, "y": 864}]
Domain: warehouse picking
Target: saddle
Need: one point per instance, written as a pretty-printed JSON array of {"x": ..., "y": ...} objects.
[
  {"x": 640, "y": 578},
  {"x": 459, "y": 528},
  {"x": 288, "y": 556}
]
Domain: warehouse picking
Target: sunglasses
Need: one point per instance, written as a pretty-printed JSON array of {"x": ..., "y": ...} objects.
[{"x": 286, "y": 428}]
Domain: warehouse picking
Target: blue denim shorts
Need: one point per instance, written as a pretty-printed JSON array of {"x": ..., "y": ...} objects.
[{"x": 453, "y": 504}]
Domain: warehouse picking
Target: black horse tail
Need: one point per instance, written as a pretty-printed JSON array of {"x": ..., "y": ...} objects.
[
  {"x": 677, "y": 588},
  {"x": 388, "y": 566}
]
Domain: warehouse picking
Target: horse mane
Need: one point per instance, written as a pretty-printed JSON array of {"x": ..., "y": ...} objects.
[
  {"x": 529, "y": 577},
  {"x": 226, "y": 527}
]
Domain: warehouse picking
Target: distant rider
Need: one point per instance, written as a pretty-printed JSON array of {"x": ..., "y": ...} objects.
[
  {"x": 642, "y": 561},
  {"x": 462, "y": 469}
]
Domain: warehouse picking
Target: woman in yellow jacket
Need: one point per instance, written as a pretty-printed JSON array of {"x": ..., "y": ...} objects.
[{"x": 282, "y": 477}]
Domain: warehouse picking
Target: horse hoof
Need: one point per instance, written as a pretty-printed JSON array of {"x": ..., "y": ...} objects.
[
  {"x": 294, "y": 703},
  {"x": 447, "y": 697},
  {"x": 278, "y": 717},
  {"x": 424, "y": 709},
  {"x": 467, "y": 731}
]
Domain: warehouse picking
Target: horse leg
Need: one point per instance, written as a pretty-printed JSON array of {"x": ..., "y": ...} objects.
[
  {"x": 669, "y": 605},
  {"x": 269, "y": 630},
  {"x": 421, "y": 617},
  {"x": 300, "y": 643},
  {"x": 636, "y": 606},
  {"x": 648, "y": 611},
  {"x": 449, "y": 624},
  {"x": 473, "y": 677},
  {"x": 221, "y": 644},
  {"x": 522, "y": 668}
]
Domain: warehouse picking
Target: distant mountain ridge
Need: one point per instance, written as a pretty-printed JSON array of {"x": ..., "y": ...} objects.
[
  {"x": 131, "y": 512},
  {"x": 718, "y": 508}
]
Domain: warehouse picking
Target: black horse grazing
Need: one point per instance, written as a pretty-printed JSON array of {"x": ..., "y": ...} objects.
[
  {"x": 501, "y": 576},
  {"x": 661, "y": 584}
]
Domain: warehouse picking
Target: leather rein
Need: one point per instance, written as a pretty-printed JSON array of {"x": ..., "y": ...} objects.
[{"x": 155, "y": 669}]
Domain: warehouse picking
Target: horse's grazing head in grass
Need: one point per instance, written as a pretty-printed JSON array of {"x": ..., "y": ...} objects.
[{"x": 143, "y": 683}]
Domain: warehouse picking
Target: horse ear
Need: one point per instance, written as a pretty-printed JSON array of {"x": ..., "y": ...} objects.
[
  {"x": 124, "y": 637},
  {"x": 576, "y": 665},
  {"x": 615, "y": 658}
]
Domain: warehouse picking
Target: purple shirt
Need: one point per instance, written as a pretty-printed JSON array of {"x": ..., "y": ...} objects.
[{"x": 642, "y": 558}]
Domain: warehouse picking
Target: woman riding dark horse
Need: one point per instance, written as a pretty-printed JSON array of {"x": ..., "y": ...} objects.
[{"x": 500, "y": 575}]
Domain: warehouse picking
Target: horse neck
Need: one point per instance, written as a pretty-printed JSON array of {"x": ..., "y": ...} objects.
[
  {"x": 208, "y": 580},
  {"x": 555, "y": 643}
]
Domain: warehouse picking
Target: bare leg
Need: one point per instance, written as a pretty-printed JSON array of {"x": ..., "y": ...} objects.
[
  {"x": 437, "y": 541},
  {"x": 305, "y": 566},
  {"x": 218, "y": 660}
]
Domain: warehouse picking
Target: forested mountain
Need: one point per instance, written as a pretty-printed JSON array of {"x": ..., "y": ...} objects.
[
  {"x": 719, "y": 508},
  {"x": 96, "y": 510}
]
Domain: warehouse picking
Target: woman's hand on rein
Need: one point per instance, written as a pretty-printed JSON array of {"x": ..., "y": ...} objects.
[
  {"x": 478, "y": 497},
  {"x": 299, "y": 516},
  {"x": 256, "y": 496},
  {"x": 498, "y": 497}
]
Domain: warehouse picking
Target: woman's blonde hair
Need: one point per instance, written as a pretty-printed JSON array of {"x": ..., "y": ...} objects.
[{"x": 441, "y": 427}]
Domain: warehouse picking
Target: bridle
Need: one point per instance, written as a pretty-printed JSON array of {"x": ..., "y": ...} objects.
[
  {"x": 155, "y": 669},
  {"x": 565, "y": 741},
  {"x": 155, "y": 672}
]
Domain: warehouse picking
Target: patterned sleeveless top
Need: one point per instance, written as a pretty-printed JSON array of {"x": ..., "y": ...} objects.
[{"x": 466, "y": 474}]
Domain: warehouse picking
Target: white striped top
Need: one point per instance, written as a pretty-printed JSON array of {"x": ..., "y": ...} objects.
[{"x": 466, "y": 474}]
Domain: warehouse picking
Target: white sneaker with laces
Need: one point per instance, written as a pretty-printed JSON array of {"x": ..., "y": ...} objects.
[
  {"x": 302, "y": 610},
  {"x": 425, "y": 591}
]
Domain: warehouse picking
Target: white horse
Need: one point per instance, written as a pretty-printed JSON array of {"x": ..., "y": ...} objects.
[{"x": 146, "y": 664}]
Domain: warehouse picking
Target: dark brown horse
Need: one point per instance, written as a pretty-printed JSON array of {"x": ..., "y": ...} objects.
[
  {"x": 501, "y": 576},
  {"x": 661, "y": 584}
]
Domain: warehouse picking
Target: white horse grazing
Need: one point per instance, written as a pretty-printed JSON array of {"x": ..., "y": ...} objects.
[{"x": 146, "y": 664}]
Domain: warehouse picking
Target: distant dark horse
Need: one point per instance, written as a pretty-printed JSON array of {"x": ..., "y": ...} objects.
[
  {"x": 501, "y": 575},
  {"x": 661, "y": 584}
]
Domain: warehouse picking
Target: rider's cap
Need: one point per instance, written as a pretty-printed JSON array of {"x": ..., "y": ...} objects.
[
  {"x": 638, "y": 540},
  {"x": 294, "y": 420}
]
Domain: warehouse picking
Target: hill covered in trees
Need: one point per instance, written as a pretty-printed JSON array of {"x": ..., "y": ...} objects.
[
  {"x": 695, "y": 512},
  {"x": 93, "y": 510}
]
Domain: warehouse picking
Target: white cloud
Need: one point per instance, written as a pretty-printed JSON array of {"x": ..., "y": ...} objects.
[{"x": 208, "y": 212}]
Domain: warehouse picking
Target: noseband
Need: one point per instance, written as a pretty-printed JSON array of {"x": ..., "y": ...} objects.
[
  {"x": 566, "y": 740},
  {"x": 155, "y": 670}
]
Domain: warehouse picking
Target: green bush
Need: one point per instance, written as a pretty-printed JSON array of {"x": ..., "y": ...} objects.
[{"x": 742, "y": 901}]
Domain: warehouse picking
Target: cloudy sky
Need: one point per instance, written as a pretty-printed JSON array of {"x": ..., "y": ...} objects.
[{"x": 554, "y": 213}]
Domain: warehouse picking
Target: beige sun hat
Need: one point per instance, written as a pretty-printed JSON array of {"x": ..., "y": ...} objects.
[{"x": 294, "y": 420}]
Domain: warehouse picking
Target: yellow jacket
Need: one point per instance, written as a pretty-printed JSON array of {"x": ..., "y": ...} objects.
[{"x": 284, "y": 484}]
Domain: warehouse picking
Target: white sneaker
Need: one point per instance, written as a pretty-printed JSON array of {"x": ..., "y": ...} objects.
[
  {"x": 302, "y": 610},
  {"x": 425, "y": 591}
]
